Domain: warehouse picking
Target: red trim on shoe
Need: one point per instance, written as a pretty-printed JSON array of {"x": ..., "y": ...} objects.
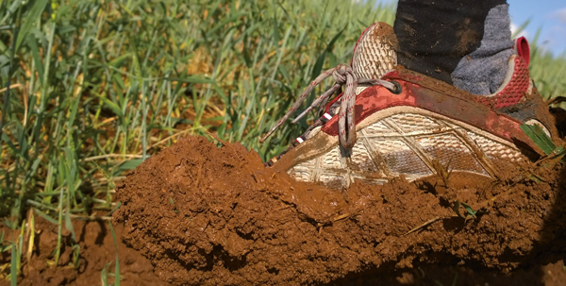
[
  {"x": 332, "y": 102},
  {"x": 376, "y": 98},
  {"x": 514, "y": 91},
  {"x": 522, "y": 47}
]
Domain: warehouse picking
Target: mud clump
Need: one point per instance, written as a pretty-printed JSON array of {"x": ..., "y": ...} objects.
[{"x": 205, "y": 215}]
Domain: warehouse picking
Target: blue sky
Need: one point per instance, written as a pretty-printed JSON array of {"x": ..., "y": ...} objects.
[{"x": 548, "y": 15}]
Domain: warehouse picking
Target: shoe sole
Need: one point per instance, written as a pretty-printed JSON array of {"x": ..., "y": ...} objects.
[{"x": 405, "y": 141}]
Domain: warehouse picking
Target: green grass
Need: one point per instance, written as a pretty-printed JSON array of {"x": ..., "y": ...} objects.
[{"x": 91, "y": 88}]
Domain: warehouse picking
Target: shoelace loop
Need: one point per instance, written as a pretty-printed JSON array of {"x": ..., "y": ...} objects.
[{"x": 343, "y": 76}]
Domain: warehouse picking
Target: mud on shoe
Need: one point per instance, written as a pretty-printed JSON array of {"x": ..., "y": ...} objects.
[{"x": 399, "y": 122}]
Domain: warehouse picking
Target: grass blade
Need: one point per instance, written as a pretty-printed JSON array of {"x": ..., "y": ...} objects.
[
  {"x": 539, "y": 137},
  {"x": 45, "y": 216},
  {"x": 32, "y": 17},
  {"x": 117, "y": 269}
]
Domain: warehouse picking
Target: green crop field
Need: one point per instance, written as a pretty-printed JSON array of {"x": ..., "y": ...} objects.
[{"x": 91, "y": 88}]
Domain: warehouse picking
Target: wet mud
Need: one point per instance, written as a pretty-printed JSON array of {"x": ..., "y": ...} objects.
[{"x": 204, "y": 215}]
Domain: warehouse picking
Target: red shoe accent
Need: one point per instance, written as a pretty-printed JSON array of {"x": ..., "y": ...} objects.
[
  {"x": 514, "y": 91},
  {"x": 334, "y": 100},
  {"x": 522, "y": 47},
  {"x": 439, "y": 98}
]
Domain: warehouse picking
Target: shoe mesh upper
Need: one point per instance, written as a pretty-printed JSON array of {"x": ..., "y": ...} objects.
[{"x": 374, "y": 54}]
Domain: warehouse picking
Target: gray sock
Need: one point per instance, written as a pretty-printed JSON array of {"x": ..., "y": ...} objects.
[{"x": 482, "y": 71}]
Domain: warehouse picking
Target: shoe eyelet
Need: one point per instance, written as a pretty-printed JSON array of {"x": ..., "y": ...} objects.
[{"x": 398, "y": 89}]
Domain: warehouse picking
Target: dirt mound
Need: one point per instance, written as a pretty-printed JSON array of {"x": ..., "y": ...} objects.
[{"x": 215, "y": 216}]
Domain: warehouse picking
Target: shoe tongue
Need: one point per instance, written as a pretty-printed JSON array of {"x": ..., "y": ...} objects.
[{"x": 374, "y": 54}]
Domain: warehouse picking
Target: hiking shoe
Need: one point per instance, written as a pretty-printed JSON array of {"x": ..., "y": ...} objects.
[{"x": 402, "y": 123}]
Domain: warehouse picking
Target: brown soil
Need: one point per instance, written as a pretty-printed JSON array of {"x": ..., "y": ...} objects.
[
  {"x": 215, "y": 216},
  {"x": 97, "y": 250}
]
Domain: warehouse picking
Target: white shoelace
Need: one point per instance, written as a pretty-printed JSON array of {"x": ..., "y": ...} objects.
[{"x": 343, "y": 75}]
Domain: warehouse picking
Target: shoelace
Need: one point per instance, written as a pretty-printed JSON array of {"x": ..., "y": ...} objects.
[{"x": 343, "y": 75}]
